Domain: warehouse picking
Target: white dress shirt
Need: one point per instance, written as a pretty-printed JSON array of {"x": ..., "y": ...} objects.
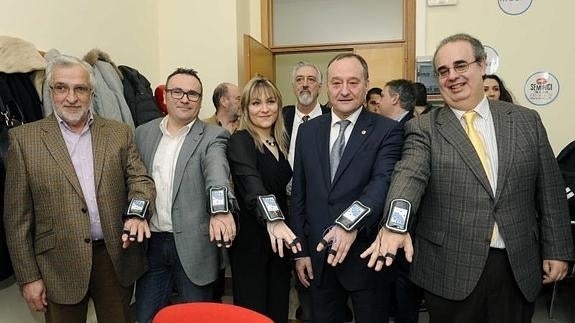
[{"x": 163, "y": 169}]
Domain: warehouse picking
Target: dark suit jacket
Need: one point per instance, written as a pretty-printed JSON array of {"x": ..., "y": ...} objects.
[
  {"x": 47, "y": 225},
  {"x": 363, "y": 174},
  {"x": 289, "y": 114},
  {"x": 442, "y": 176}
]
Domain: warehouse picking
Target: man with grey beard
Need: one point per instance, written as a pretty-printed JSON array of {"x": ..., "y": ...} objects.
[{"x": 306, "y": 80}]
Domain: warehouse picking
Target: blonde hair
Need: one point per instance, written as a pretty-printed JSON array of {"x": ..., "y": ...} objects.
[{"x": 255, "y": 87}]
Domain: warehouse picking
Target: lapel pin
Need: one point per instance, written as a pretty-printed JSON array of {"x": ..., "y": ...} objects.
[{"x": 363, "y": 132}]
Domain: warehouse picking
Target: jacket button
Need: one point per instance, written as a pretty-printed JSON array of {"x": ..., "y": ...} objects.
[
  {"x": 87, "y": 240},
  {"x": 84, "y": 210}
]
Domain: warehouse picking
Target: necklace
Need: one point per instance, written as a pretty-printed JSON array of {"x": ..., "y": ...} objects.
[{"x": 271, "y": 142}]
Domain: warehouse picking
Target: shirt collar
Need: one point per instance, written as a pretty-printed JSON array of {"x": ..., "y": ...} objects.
[
  {"x": 482, "y": 110},
  {"x": 182, "y": 132},
  {"x": 64, "y": 125},
  {"x": 352, "y": 118},
  {"x": 316, "y": 112}
]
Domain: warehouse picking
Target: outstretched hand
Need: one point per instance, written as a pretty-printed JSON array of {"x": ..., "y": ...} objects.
[
  {"x": 384, "y": 248},
  {"x": 281, "y": 234}
]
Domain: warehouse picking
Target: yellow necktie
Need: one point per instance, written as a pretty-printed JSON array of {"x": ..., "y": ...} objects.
[{"x": 477, "y": 143}]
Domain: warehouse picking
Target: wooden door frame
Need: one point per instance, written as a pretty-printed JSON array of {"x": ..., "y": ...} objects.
[{"x": 408, "y": 37}]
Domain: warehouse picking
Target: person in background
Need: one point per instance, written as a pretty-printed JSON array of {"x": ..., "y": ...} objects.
[
  {"x": 257, "y": 154},
  {"x": 226, "y": 99},
  {"x": 495, "y": 89},
  {"x": 479, "y": 186},
  {"x": 397, "y": 100},
  {"x": 421, "y": 104},
  {"x": 187, "y": 159},
  {"x": 69, "y": 179},
  {"x": 373, "y": 99}
]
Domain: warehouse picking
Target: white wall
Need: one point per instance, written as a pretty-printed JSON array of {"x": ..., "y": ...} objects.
[
  {"x": 127, "y": 30},
  {"x": 538, "y": 40},
  {"x": 201, "y": 35}
]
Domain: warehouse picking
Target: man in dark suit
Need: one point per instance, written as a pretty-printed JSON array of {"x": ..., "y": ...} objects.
[
  {"x": 343, "y": 165},
  {"x": 70, "y": 178},
  {"x": 492, "y": 220},
  {"x": 187, "y": 159}
]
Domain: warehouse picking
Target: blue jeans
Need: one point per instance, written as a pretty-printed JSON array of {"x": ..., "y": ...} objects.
[{"x": 154, "y": 289}]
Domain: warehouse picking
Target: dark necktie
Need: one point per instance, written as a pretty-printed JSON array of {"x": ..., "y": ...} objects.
[
  {"x": 304, "y": 118},
  {"x": 338, "y": 147}
]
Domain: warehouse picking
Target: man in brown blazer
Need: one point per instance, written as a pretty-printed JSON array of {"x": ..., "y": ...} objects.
[
  {"x": 69, "y": 178},
  {"x": 492, "y": 222}
]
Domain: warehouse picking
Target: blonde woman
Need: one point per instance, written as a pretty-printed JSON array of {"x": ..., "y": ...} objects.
[{"x": 257, "y": 154}]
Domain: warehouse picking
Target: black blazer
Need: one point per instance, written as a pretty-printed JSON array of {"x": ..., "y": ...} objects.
[{"x": 289, "y": 114}]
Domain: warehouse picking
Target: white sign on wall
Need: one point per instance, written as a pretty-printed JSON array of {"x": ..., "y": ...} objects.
[
  {"x": 492, "y": 60},
  {"x": 541, "y": 88},
  {"x": 514, "y": 7}
]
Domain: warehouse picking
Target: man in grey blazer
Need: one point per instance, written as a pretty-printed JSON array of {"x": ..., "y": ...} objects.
[
  {"x": 492, "y": 222},
  {"x": 187, "y": 160}
]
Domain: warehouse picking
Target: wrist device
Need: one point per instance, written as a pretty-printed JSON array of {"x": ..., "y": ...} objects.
[
  {"x": 269, "y": 206},
  {"x": 219, "y": 200},
  {"x": 351, "y": 216},
  {"x": 136, "y": 209},
  {"x": 398, "y": 217}
]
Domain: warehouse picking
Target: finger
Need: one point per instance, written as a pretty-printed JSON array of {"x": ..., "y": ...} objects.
[
  {"x": 379, "y": 264},
  {"x": 212, "y": 232},
  {"x": 343, "y": 250},
  {"x": 302, "y": 278},
  {"x": 44, "y": 298},
  {"x": 321, "y": 245},
  {"x": 309, "y": 270},
  {"x": 273, "y": 243},
  {"x": 331, "y": 256},
  {"x": 280, "y": 247},
  {"x": 218, "y": 234},
  {"x": 408, "y": 250},
  {"x": 141, "y": 231}
]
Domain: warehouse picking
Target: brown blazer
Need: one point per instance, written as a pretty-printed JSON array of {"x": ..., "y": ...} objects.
[
  {"x": 47, "y": 224},
  {"x": 441, "y": 174}
]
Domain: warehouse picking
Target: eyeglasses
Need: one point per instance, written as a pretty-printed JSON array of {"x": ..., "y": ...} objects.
[
  {"x": 178, "y": 94},
  {"x": 459, "y": 67},
  {"x": 62, "y": 89}
]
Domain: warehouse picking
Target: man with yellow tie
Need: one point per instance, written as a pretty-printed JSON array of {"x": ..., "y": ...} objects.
[{"x": 492, "y": 223}]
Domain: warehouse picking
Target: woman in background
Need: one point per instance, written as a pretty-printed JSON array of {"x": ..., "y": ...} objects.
[
  {"x": 495, "y": 89},
  {"x": 257, "y": 154}
]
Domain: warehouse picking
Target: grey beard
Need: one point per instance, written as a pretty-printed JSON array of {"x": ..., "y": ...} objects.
[{"x": 305, "y": 98}]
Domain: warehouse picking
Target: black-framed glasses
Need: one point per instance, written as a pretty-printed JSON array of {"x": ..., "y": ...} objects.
[
  {"x": 459, "y": 67},
  {"x": 63, "y": 89},
  {"x": 178, "y": 94}
]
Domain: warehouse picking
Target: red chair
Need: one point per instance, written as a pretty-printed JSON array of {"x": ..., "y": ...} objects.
[
  {"x": 159, "y": 96},
  {"x": 208, "y": 313}
]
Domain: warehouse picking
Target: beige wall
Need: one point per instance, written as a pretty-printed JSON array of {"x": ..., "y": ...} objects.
[
  {"x": 127, "y": 30},
  {"x": 538, "y": 40}
]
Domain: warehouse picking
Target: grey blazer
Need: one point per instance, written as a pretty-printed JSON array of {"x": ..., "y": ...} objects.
[
  {"x": 441, "y": 174},
  {"x": 202, "y": 164}
]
